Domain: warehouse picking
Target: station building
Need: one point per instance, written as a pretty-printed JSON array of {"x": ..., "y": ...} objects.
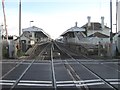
[
  {"x": 74, "y": 34},
  {"x": 31, "y": 36}
]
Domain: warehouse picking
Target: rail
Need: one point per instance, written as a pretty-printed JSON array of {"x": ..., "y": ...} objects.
[
  {"x": 95, "y": 74},
  {"x": 72, "y": 72},
  {"x": 28, "y": 67},
  {"x": 53, "y": 70}
]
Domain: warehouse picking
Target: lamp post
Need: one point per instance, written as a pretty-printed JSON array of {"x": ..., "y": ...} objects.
[
  {"x": 31, "y": 22},
  {"x": 111, "y": 34}
]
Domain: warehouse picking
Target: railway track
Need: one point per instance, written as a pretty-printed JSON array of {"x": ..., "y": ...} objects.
[
  {"x": 55, "y": 68},
  {"x": 110, "y": 86},
  {"x": 25, "y": 70}
]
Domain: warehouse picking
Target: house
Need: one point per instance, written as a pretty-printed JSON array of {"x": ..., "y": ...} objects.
[
  {"x": 96, "y": 27},
  {"x": 99, "y": 30},
  {"x": 103, "y": 38},
  {"x": 93, "y": 27},
  {"x": 73, "y": 35},
  {"x": 90, "y": 36}
]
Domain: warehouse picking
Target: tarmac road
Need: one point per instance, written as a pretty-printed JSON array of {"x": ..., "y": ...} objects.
[{"x": 39, "y": 75}]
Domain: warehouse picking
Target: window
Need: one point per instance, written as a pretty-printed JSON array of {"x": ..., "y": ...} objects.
[
  {"x": 29, "y": 42},
  {"x": 71, "y": 35},
  {"x": 30, "y": 35}
]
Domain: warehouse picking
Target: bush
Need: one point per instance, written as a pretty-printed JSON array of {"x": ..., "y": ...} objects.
[
  {"x": 5, "y": 52},
  {"x": 20, "y": 53}
]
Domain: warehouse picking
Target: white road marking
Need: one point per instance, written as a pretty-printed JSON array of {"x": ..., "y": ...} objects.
[
  {"x": 27, "y": 81},
  {"x": 114, "y": 82},
  {"x": 27, "y": 84},
  {"x": 112, "y": 79},
  {"x": 94, "y": 80},
  {"x": 65, "y": 82},
  {"x": 91, "y": 84},
  {"x": 6, "y": 83},
  {"x": 61, "y": 85}
]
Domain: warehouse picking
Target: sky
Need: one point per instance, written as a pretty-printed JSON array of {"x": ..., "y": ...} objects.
[{"x": 55, "y": 16}]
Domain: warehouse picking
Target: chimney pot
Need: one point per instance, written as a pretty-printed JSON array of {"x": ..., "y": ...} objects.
[
  {"x": 102, "y": 22},
  {"x": 89, "y": 20},
  {"x": 75, "y": 24}
]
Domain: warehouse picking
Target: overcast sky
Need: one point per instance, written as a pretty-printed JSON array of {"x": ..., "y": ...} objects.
[{"x": 55, "y": 16}]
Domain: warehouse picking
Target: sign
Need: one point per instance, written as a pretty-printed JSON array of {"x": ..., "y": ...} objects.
[{"x": 32, "y": 42}]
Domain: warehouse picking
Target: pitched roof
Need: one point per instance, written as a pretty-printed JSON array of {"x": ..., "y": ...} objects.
[
  {"x": 114, "y": 34},
  {"x": 94, "y": 26},
  {"x": 35, "y": 29},
  {"x": 98, "y": 34},
  {"x": 74, "y": 29}
]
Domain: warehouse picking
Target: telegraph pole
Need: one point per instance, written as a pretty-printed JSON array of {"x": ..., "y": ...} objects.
[
  {"x": 20, "y": 24},
  {"x": 116, "y": 14},
  {"x": 111, "y": 34},
  {"x": 19, "y": 17}
]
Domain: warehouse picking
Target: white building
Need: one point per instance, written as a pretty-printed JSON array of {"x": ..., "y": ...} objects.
[{"x": 97, "y": 32}]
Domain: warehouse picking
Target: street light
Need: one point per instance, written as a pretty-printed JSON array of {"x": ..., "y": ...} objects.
[{"x": 31, "y": 22}]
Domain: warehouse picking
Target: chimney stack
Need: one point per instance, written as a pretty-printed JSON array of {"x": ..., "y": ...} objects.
[
  {"x": 89, "y": 18},
  {"x": 75, "y": 24},
  {"x": 102, "y": 22}
]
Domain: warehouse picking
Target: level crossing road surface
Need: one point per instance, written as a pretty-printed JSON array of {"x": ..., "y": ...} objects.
[
  {"x": 54, "y": 66},
  {"x": 75, "y": 76}
]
